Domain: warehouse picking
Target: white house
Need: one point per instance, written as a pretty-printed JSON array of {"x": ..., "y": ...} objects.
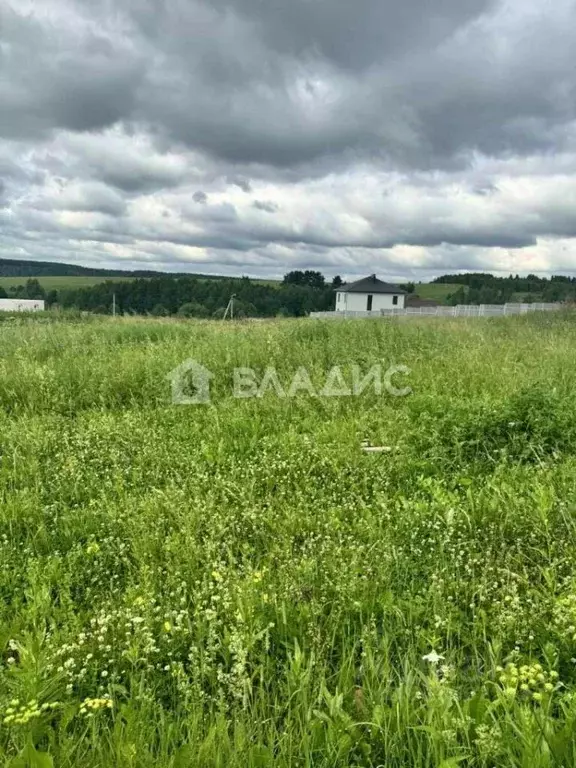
[
  {"x": 369, "y": 295},
  {"x": 21, "y": 305}
]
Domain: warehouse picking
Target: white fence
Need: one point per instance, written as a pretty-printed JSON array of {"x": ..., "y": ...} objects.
[
  {"x": 21, "y": 305},
  {"x": 460, "y": 310}
]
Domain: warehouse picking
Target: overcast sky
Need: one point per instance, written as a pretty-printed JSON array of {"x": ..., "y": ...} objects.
[{"x": 404, "y": 137}]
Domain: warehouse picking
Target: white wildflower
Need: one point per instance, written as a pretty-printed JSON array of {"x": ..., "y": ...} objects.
[{"x": 432, "y": 657}]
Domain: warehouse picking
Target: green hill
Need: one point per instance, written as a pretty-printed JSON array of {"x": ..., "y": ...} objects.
[
  {"x": 26, "y": 269},
  {"x": 55, "y": 276},
  {"x": 437, "y": 291},
  {"x": 60, "y": 282},
  {"x": 15, "y": 268}
]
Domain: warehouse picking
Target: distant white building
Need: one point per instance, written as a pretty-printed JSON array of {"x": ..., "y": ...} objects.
[
  {"x": 369, "y": 295},
  {"x": 21, "y": 305}
]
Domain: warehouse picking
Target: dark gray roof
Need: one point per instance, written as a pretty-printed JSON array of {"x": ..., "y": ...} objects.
[{"x": 370, "y": 284}]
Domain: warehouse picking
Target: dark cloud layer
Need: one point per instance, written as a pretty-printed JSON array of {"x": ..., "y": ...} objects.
[
  {"x": 200, "y": 197},
  {"x": 361, "y": 126},
  {"x": 263, "y": 205},
  {"x": 354, "y": 35},
  {"x": 240, "y": 182}
]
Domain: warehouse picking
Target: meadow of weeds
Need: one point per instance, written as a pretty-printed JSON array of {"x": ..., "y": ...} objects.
[{"x": 238, "y": 584}]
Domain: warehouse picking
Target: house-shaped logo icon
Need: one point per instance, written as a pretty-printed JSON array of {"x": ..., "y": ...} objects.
[{"x": 190, "y": 383}]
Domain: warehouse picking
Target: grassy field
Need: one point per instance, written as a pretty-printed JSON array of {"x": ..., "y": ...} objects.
[
  {"x": 60, "y": 283},
  {"x": 239, "y": 585},
  {"x": 437, "y": 291},
  {"x": 72, "y": 283}
]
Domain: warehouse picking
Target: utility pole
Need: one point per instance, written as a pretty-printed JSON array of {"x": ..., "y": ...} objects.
[
  {"x": 230, "y": 307},
  {"x": 113, "y": 305}
]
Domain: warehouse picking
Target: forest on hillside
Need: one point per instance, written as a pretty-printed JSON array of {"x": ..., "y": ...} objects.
[
  {"x": 299, "y": 293},
  {"x": 484, "y": 288},
  {"x": 31, "y": 269}
]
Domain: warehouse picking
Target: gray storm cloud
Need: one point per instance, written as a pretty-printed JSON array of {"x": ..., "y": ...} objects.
[{"x": 407, "y": 137}]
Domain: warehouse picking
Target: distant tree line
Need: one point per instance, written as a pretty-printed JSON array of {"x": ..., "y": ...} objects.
[
  {"x": 31, "y": 290},
  {"x": 26, "y": 268},
  {"x": 484, "y": 288},
  {"x": 299, "y": 293},
  {"x": 191, "y": 296}
]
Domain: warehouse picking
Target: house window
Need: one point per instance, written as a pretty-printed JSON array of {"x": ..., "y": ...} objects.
[
  {"x": 394, "y": 300},
  {"x": 369, "y": 303}
]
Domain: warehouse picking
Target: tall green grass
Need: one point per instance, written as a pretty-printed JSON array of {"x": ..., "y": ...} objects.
[{"x": 239, "y": 584}]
